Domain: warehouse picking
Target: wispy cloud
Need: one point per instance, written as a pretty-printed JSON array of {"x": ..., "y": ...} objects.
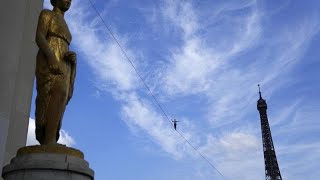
[
  {"x": 198, "y": 59},
  {"x": 104, "y": 57},
  {"x": 181, "y": 15},
  {"x": 202, "y": 66},
  {"x": 238, "y": 84},
  {"x": 286, "y": 113},
  {"x": 239, "y": 149},
  {"x": 305, "y": 161}
]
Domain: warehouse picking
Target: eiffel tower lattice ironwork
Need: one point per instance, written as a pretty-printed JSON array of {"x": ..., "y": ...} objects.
[{"x": 272, "y": 170}]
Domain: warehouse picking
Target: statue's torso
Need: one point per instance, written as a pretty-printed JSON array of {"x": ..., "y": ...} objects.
[{"x": 59, "y": 38}]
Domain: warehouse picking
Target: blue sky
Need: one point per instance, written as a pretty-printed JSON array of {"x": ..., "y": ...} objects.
[{"x": 203, "y": 61}]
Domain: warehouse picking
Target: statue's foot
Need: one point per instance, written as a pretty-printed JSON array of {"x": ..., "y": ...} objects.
[
  {"x": 53, "y": 143},
  {"x": 50, "y": 143}
]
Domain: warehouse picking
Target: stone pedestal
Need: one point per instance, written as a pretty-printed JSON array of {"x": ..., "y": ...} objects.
[{"x": 48, "y": 163}]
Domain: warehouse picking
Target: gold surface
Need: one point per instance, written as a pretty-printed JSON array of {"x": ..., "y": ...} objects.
[
  {"x": 55, "y": 71},
  {"x": 51, "y": 149}
]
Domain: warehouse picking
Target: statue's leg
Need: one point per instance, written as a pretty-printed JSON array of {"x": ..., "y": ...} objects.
[
  {"x": 55, "y": 109},
  {"x": 59, "y": 127},
  {"x": 40, "y": 108},
  {"x": 43, "y": 85}
]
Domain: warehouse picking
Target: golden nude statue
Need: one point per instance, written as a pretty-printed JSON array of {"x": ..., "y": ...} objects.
[{"x": 55, "y": 71}]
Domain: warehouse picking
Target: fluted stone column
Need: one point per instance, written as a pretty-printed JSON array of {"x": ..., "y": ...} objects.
[{"x": 18, "y": 19}]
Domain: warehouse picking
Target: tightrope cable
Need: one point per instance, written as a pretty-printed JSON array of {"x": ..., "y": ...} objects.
[{"x": 147, "y": 87}]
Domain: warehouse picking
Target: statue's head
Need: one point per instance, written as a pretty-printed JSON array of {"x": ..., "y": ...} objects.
[{"x": 64, "y": 5}]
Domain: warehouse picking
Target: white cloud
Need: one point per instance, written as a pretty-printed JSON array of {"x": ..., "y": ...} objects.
[
  {"x": 190, "y": 68},
  {"x": 103, "y": 55},
  {"x": 65, "y": 138},
  {"x": 193, "y": 65},
  {"x": 239, "y": 149},
  {"x": 305, "y": 162},
  {"x": 285, "y": 113},
  {"x": 239, "y": 84},
  {"x": 31, "y": 137},
  {"x": 181, "y": 14}
]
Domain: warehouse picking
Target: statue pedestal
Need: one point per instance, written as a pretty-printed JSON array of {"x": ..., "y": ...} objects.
[{"x": 52, "y": 162}]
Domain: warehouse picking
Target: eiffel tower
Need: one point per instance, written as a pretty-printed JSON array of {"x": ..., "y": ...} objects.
[{"x": 272, "y": 170}]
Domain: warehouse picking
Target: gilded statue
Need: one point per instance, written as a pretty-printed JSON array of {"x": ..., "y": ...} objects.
[{"x": 55, "y": 71}]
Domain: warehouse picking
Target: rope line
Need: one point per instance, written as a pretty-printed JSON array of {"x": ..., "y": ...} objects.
[{"x": 147, "y": 87}]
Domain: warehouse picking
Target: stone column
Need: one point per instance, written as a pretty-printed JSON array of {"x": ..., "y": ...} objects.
[{"x": 18, "y": 50}]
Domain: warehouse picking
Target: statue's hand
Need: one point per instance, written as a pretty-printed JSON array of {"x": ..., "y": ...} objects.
[
  {"x": 70, "y": 95},
  {"x": 71, "y": 57},
  {"x": 54, "y": 65}
]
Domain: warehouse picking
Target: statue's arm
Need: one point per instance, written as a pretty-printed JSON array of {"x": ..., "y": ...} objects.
[
  {"x": 72, "y": 79},
  {"x": 41, "y": 34},
  {"x": 41, "y": 40},
  {"x": 72, "y": 58}
]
